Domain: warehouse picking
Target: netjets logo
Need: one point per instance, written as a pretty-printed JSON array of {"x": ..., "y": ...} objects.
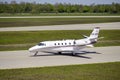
[
  {"x": 97, "y": 31},
  {"x": 94, "y": 33}
]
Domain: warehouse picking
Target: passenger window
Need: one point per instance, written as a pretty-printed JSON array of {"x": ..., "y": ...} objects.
[
  {"x": 74, "y": 42},
  {"x": 55, "y": 43},
  {"x": 65, "y": 43},
  {"x": 58, "y": 43}
]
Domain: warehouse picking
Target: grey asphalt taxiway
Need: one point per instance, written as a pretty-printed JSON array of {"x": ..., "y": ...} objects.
[
  {"x": 25, "y": 59},
  {"x": 103, "y": 26}
]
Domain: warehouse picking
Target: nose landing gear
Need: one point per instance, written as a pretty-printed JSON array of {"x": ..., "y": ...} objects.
[{"x": 35, "y": 53}]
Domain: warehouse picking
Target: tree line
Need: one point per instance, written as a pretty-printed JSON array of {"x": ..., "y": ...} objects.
[{"x": 25, "y": 7}]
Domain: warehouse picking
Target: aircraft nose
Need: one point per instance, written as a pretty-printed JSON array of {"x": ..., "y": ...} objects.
[
  {"x": 31, "y": 49},
  {"x": 34, "y": 49}
]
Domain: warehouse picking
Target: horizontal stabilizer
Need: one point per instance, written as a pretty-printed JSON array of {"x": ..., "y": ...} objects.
[{"x": 85, "y": 36}]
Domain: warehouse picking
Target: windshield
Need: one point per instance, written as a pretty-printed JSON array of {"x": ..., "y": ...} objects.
[{"x": 41, "y": 44}]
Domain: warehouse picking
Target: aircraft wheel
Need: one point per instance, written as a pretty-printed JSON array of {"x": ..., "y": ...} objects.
[
  {"x": 59, "y": 52},
  {"x": 73, "y": 53}
]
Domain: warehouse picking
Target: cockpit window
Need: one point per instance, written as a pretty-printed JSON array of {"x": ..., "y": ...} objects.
[{"x": 41, "y": 44}]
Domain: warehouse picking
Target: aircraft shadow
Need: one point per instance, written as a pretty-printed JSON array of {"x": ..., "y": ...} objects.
[{"x": 79, "y": 54}]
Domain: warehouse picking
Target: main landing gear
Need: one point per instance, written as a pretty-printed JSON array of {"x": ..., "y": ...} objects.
[
  {"x": 35, "y": 53},
  {"x": 59, "y": 52},
  {"x": 73, "y": 54}
]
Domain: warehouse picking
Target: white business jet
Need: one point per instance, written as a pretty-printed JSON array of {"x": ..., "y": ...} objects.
[{"x": 73, "y": 46}]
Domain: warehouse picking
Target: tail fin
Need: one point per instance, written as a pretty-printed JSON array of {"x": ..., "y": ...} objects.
[
  {"x": 94, "y": 35},
  {"x": 95, "y": 32}
]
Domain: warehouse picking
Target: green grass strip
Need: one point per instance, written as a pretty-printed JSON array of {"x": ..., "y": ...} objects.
[
  {"x": 23, "y": 37},
  {"x": 100, "y": 71},
  {"x": 16, "y": 22}
]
